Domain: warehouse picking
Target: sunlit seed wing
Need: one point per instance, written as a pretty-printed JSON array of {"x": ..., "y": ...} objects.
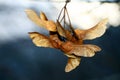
[
  {"x": 43, "y": 16},
  {"x": 85, "y": 50},
  {"x": 60, "y": 29},
  {"x": 94, "y": 32},
  {"x": 72, "y": 64},
  {"x": 34, "y": 17},
  {"x": 93, "y": 47},
  {"x": 40, "y": 40},
  {"x": 70, "y": 55},
  {"x": 49, "y": 25}
]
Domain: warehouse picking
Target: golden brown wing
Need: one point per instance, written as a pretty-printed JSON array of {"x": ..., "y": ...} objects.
[
  {"x": 72, "y": 64},
  {"x": 42, "y": 22},
  {"x": 43, "y": 16},
  {"x": 40, "y": 40},
  {"x": 84, "y": 50},
  {"x": 34, "y": 17},
  {"x": 60, "y": 29},
  {"x": 94, "y": 32}
]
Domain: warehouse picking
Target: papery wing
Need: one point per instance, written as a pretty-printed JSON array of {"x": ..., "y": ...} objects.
[
  {"x": 85, "y": 50},
  {"x": 43, "y": 16},
  {"x": 94, "y": 32},
  {"x": 72, "y": 64},
  {"x": 63, "y": 32},
  {"x": 40, "y": 40},
  {"x": 42, "y": 22},
  {"x": 34, "y": 17},
  {"x": 60, "y": 29},
  {"x": 50, "y": 25},
  {"x": 70, "y": 55}
]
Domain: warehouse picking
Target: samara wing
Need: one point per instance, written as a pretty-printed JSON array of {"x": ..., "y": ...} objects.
[
  {"x": 86, "y": 50},
  {"x": 41, "y": 21},
  {"x": 94, "y": 32},
  {"x": 34, "y": 17},
  {"x": 72, "y": 64},
  {"x": 43, "y": 16},
  {"x": 40, "y": 40},
  {"x": 60, "y": 29}
]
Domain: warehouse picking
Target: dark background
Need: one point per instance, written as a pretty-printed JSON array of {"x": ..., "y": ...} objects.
[{"x": 20, "y": 59}]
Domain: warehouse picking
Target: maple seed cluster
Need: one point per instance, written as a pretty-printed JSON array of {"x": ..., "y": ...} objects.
[{"x": 72, "y": 46}]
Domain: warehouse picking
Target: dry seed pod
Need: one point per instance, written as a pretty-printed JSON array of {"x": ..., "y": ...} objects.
[
  {"x": 55, "y": 41},
  {"x": 68, "y": 35},
  {"x": 72, "y": 64},
  {"x": 47, "y": 24},
  {"x": 66, "y": 46},
  {"x": 40, "y": 40},
  {"x": 94, "y": 32}
]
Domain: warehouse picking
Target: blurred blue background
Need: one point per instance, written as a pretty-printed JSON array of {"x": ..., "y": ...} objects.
[{"x": 20, "y": 59}]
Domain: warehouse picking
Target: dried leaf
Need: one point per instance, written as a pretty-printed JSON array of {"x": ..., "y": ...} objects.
[
  {"x": 72, "y": 64},
  {"x": 40, "y": 40},
  {"x": 93, "y": 32}
]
